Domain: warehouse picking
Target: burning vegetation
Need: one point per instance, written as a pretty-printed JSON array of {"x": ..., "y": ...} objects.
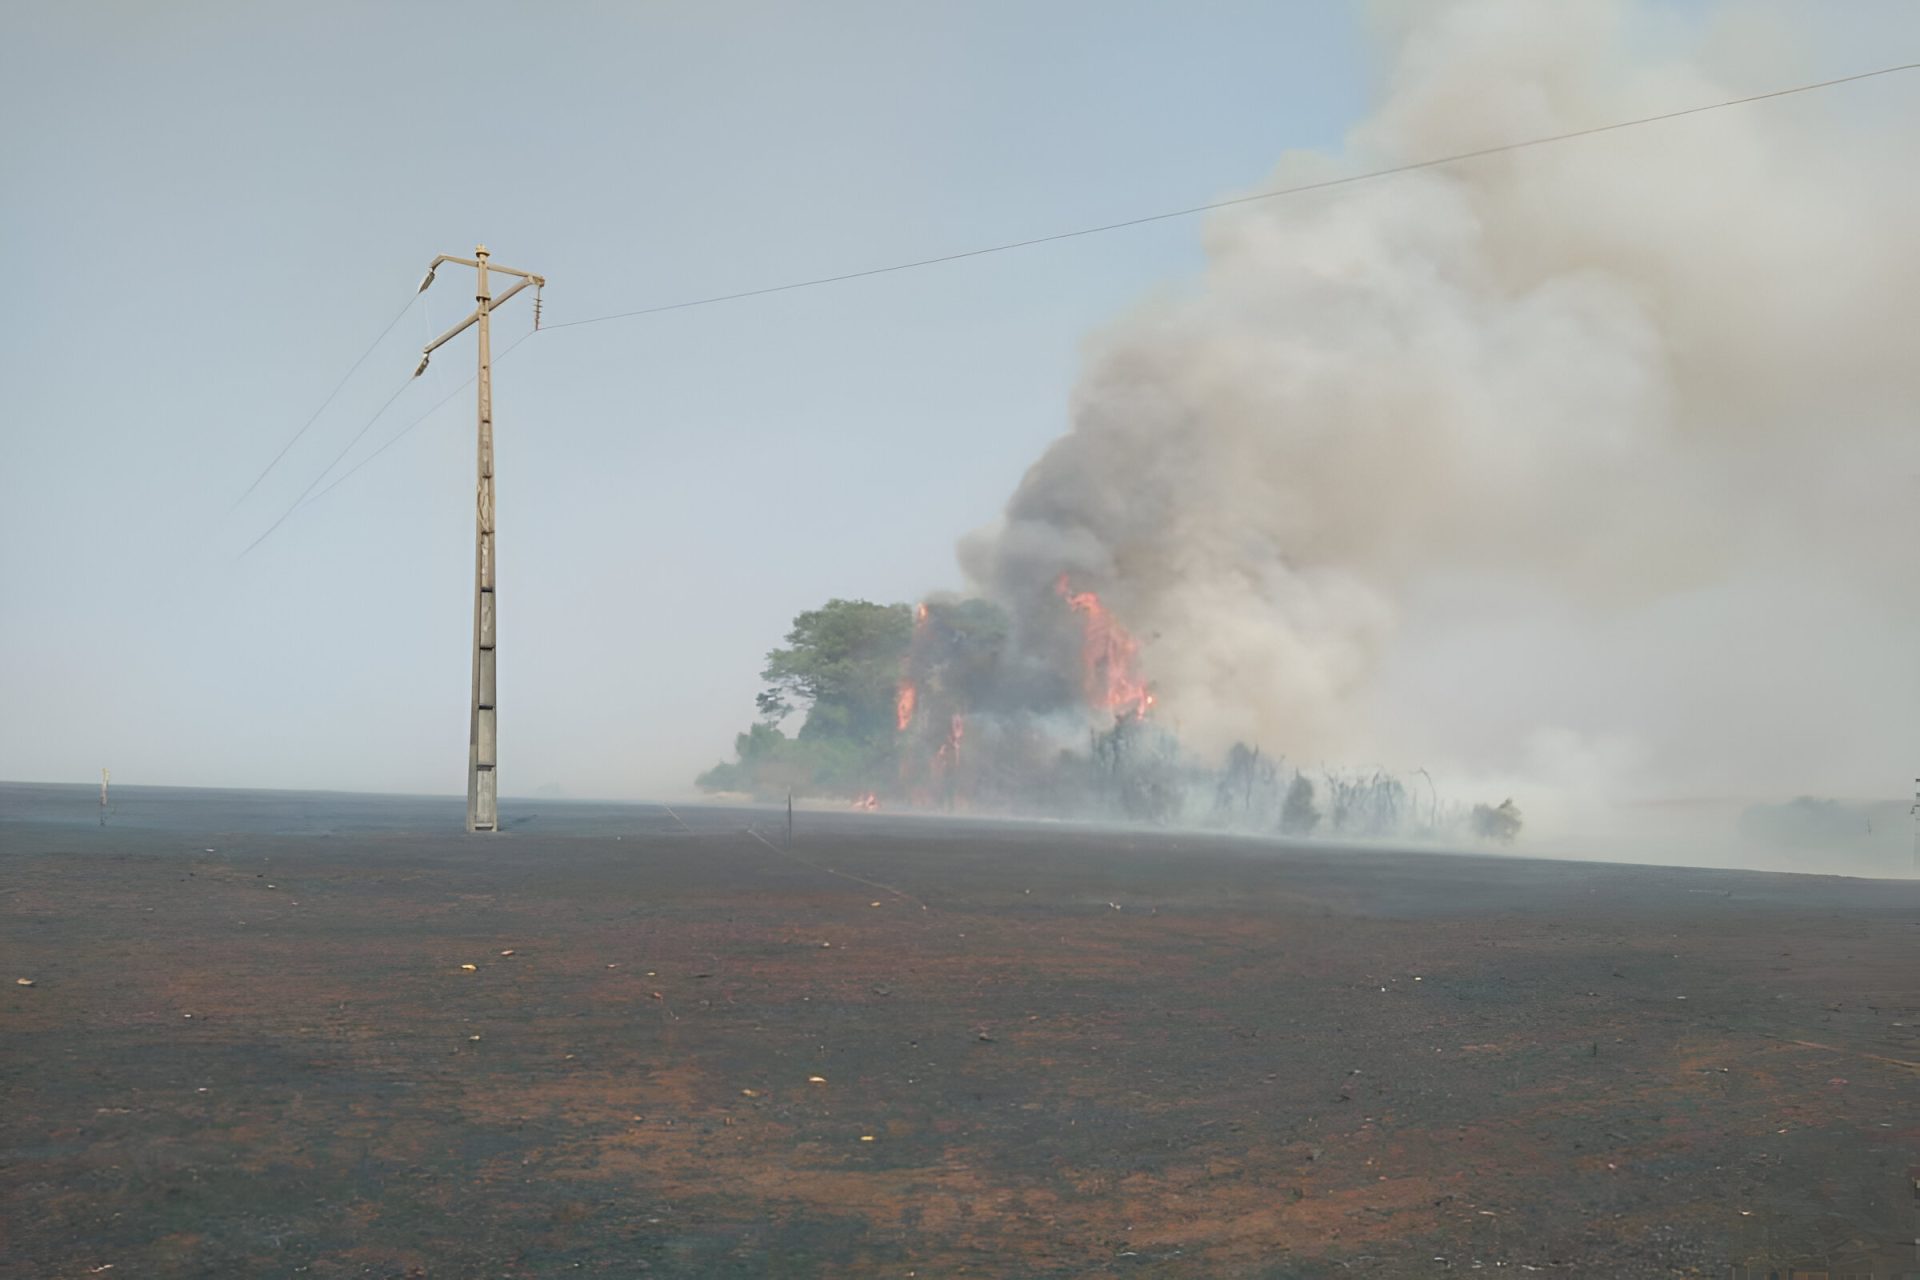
[
  {"x": 1109, "y": 658},
  {"x": 1045, "y": 710}
]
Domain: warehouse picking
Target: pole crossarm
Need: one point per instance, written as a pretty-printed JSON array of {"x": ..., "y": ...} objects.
[
  {"x": 513, "y": 271},
  {"x": 434, "y": 266},
  {"x": 535, "y": 281},
  {"x": 483, "y": 787},
  {"x": 526, "y": 278},
  {"x": 444, "y": 338}
]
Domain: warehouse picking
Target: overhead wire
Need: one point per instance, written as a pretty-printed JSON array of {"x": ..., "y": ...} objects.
[
  {"x": 437, "y": 406},
  {"x": 331, "y": 396},
  {"x": 304, "y": 501},
  {"x": 1233, "y": 201},
  {"x": 357, "y": 437},
  {"x": 1008, "y": 246}
]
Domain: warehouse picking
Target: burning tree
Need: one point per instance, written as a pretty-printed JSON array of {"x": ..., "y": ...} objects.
[
  {"x": 1247, "y": 788},
  {"x": 950, "y": 672},
  {"x": 1299, "y": 815},
  {"x": 1499, "y": 823},
  {"x": 1366, "y": 805},
  {"x": 1109, "y": 657},
  {"x": 1136, "y": 771},
  {"x": 960, "y": 703},
  {"x": 897, "y": 699}
]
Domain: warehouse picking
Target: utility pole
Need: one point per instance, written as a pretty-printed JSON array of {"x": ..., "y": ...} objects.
[{"x": 483, "y": 739}]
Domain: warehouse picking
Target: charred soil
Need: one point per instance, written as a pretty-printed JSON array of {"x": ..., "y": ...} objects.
[{"x": 324, "y": 1036}]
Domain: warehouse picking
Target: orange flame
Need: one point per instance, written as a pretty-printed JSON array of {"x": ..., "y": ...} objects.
[
  {"x": 908, "y": 696},
  {"x": 1109, "y": 657}
]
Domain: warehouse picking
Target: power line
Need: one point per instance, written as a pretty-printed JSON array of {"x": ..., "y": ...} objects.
[
  {"x": 345, "y": 378},
  {"x": 302, "y": 501},
  {"x": 914, "y": 264},
  {"x": 1274, "y": 194},
  {"x": 437, "y": 406},
  {"x": 377, "y": 415}
]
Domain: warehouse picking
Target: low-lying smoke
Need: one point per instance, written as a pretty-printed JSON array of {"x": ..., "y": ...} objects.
[{"x": 1590, "y": 466}]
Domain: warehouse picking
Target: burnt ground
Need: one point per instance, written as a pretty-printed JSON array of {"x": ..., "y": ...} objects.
[{"x": 252, "y": 1049}]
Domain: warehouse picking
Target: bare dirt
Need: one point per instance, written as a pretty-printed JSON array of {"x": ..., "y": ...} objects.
[{"x": 252, "y": 1047}]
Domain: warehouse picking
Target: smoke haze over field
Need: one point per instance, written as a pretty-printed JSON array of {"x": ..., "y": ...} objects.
[
  {"x": 1584, "y": 473},
  {"x": 1589, "y": 470}
]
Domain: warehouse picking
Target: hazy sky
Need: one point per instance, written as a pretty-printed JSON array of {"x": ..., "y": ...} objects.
[{"x": 211, "y": 209}]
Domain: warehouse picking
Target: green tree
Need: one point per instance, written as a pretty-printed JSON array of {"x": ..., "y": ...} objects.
[
  {"x": 762, "y": 755},
  {"x": 840, "y": 667}
]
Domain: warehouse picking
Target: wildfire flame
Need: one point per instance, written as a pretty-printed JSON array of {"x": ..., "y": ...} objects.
[
  {"x": 1109, "y": 657},
  {"x": 908, "y": 696}
]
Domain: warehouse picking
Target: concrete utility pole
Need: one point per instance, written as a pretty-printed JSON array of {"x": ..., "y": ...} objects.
[{"x": 483, "y": 788}]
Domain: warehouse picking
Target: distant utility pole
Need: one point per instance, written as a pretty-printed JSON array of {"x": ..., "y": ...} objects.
[{"x": 483, "y": 787}]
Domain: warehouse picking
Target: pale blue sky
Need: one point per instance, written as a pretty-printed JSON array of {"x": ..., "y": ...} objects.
[{"x": 210, "y": 209}]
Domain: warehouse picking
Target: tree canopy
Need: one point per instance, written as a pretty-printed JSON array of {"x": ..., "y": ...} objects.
[
  {"x": 951, "y": 703},
  {"x": 841, "y": 665}
]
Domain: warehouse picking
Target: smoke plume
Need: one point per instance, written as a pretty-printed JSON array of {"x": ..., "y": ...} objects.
[{"x": 1590, "y": 467}]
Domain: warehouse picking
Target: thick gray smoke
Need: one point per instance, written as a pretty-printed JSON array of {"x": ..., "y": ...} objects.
[{"x": 1587, "y": 471}]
